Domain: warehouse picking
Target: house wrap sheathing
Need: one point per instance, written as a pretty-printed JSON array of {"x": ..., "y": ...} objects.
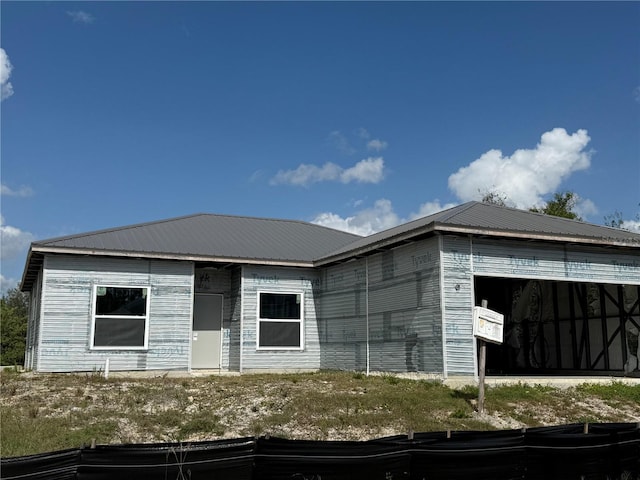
[{"x": 239, "y": 294}]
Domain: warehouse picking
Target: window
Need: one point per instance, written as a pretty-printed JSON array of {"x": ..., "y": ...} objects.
[
  {"x": 280, "y": 321},
  {"x": 120, "y": 317}
]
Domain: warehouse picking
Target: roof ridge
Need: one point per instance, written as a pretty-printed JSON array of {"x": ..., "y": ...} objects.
[{"x": 452, "y": 212}]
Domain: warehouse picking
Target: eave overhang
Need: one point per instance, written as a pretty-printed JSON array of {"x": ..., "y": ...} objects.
[{"x": 35, "y": 259}]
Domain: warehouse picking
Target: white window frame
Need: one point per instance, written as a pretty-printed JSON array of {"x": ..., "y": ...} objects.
[
  {"x": 94, "y": 316},
  {"x": 299, "y": 321}
]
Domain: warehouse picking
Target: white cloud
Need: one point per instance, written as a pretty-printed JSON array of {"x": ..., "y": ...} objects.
[
  {"x": 344, "y": 146},
  {"x": 79, "y": 16},
  {"x": 369, "y": 170},
  {"x": 631, "y": 225},
  {"x": 523, "y": 178},
  {"x": 377, "y": 218},
  {"x": 429, "y": 208},
  {"x": 527, "y": 175},
  {"x": 307, "y": 174},
  {"x": 377, "y": 145},
  {"x": 5, "y": 73},
  {"x": 366, "y": 222},
  {"x": 14, "y": 241},
  {"x": 585, "y": 207},
  {"x": 23, "y": 191}
]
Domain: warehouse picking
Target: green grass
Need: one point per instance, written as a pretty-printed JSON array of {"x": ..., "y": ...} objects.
[
  {"x": 615, "y": 391},
  {"x": 42, "y": 413},
  {"x": 24, "y": 432}
]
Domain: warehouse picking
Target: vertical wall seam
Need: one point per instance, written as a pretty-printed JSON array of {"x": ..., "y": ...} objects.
[
  {"x": 191, "y": 313},
  {"x": 242, "y": 269},
  {"x": 366, "y": 309},
  {"x": 443, "y": 308},
  {"x": 474, "y": 342}
]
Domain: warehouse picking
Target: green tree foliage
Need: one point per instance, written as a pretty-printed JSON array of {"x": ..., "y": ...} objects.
[
  {"x": 14, "y": 307},
  {"x": 562, "y": 205}
]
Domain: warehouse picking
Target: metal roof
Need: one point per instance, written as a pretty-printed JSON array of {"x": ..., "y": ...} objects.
[
  {"x": 232, "y": 239},
  {"x": 201, "y": 237},
  {"x": 481, "y": 219}
]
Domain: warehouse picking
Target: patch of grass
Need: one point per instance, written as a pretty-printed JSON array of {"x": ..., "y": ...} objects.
[
  {"x": 520, "y": 391},
  {"x": 588, "y": 419},
  {"x": 23, "y": 433},
  {"x": 616, "y": 390},
  {"x": 202, "y": 422},
  {"x": 391, "y": 380},
  {"x": 371, "y": 404},
  {"x": 468, "y": 393},
  {"x": 460, "y": 413}
]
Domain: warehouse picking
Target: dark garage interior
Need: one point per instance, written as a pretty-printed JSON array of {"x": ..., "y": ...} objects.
[{"x": 563, "y": 328}]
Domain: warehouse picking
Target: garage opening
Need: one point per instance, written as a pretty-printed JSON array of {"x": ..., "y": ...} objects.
[{"x": 563, "y": 328}]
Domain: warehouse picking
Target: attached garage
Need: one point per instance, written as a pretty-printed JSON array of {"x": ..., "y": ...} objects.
[{"x": 569, "y": 292}]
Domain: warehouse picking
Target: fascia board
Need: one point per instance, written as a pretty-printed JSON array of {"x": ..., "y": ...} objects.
[{"x": 170, "y": 256}]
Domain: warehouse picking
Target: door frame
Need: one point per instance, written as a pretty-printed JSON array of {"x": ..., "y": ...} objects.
[{"x": 207, "y": 294}]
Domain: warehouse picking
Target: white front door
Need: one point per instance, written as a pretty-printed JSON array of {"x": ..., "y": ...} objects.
[{"x": 206, "y": 342}]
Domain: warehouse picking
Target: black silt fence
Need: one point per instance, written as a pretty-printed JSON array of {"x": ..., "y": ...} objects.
[{"x": 601, "y": 451}]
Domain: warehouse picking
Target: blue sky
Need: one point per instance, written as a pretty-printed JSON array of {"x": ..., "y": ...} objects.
[{"x": 355, "y": 115}]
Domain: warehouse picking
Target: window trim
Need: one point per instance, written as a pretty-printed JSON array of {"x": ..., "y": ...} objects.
[
  {"x": 299, "y": 321},
  {"x": 94, "y": 316}
]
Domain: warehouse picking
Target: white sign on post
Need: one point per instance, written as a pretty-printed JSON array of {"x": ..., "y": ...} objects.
[{"x": 488, "y": 325}]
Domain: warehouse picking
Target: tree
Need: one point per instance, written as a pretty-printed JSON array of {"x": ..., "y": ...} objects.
[
  {"x": 614, "y": 220},
  {"x": 562, "y": 205},
  {"x": 492, "y": 197},
  {"x": 14, "y": 308}
]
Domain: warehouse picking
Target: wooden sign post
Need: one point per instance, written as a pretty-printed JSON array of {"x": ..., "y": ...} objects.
[
  {"x": 487, "y": 327},
  {"x": 482, "y": 362}
]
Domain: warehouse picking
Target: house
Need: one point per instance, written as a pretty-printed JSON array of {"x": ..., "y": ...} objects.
[{"x": 242, "y": 294}]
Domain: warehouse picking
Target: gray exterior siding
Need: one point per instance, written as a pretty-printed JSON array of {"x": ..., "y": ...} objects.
[
  {"x": 390, "y": 300},
  {"x": 231, "y": 346},
  {"x": 579, "y": 264},
  {"x": 404, "y": 310},
  {"x": 66, "y": 315},
  {"x": 342, "y": 317},
  {"x": 283, "y": 280},
  {"x": 457, "y": 297}
]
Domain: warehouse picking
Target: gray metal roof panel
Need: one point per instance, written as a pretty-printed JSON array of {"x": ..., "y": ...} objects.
[
  {"x": 207, "y": 235},
  {"x": 499, "y": 219},
  {"x": 491, "y": 220}
]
